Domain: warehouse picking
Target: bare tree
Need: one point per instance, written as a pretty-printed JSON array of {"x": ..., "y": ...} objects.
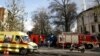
[
  {"x": 93, "y": 3},
  {"x": 41, "y": 19},
  {"x": 97, "y": 2},
  {"x": 16, "y": 15},
  {"x": 65, "y": 12}
]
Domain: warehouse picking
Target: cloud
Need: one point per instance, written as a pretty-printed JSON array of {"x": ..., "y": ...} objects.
[{"x": 1, "y": 6}]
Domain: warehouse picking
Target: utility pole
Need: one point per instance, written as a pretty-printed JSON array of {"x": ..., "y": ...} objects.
[
  {"x": 84, "y": 4},
  {"x": 84, "y": 8}
]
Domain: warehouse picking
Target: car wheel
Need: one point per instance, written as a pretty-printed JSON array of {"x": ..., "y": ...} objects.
[
  {"x": 90, "y": 46},
  {"x": 68, "y": 45},
  {"x": 23, "y": 51}
]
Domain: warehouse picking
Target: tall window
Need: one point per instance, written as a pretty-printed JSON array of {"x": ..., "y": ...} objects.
[
  {"x": 83, "y": 20},
  {"x": 95, "y": 18},
  {"x": 99, "y": 27},
  {"x": 93, "y": 28},
  {"x": 81, "y": 29},
  {"x": 85, "y": 28}
]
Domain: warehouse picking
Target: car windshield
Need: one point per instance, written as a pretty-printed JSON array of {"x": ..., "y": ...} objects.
[{"x": 25, "y": 38}]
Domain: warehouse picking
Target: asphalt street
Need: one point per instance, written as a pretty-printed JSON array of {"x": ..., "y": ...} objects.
[{"x": 59, "y": 52}]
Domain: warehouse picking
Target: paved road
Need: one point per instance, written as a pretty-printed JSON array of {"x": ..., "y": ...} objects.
[
  {"x": 59, "y": 52},
  {"x": 67, "y": 52}
]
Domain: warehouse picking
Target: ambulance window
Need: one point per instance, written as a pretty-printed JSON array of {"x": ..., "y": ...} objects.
[
  {"x": 7, "y": 38},
  {"x": 25, "y": 38},
  {"x": 17, "y": 39}
]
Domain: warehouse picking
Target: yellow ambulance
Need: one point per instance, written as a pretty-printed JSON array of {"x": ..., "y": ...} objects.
[{"x": 18, "y": 42}]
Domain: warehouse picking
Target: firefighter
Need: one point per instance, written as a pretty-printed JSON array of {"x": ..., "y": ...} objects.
[
  {"x": 72, "y": 47},
  {"x": 49, "y": 43},
  {"x": 82, "y": 48}
]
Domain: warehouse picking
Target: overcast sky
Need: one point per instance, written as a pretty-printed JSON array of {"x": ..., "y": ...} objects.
[{"x": 32, "y": 5}]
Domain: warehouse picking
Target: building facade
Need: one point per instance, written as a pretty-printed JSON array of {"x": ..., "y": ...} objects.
[
  {"x": 3, "y": 18},
  {"x": 89, "y": 20}
]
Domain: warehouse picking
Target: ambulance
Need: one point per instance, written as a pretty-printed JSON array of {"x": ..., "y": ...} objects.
[{"x": 16, "y": 41}]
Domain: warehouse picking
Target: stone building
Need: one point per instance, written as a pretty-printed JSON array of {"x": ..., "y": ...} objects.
[
  {"x": 89, "y": 20},
  {"x": 3, "y": 17}
]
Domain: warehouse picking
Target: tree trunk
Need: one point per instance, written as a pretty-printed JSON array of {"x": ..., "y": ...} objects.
[{"x": 67, "y": 27}]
